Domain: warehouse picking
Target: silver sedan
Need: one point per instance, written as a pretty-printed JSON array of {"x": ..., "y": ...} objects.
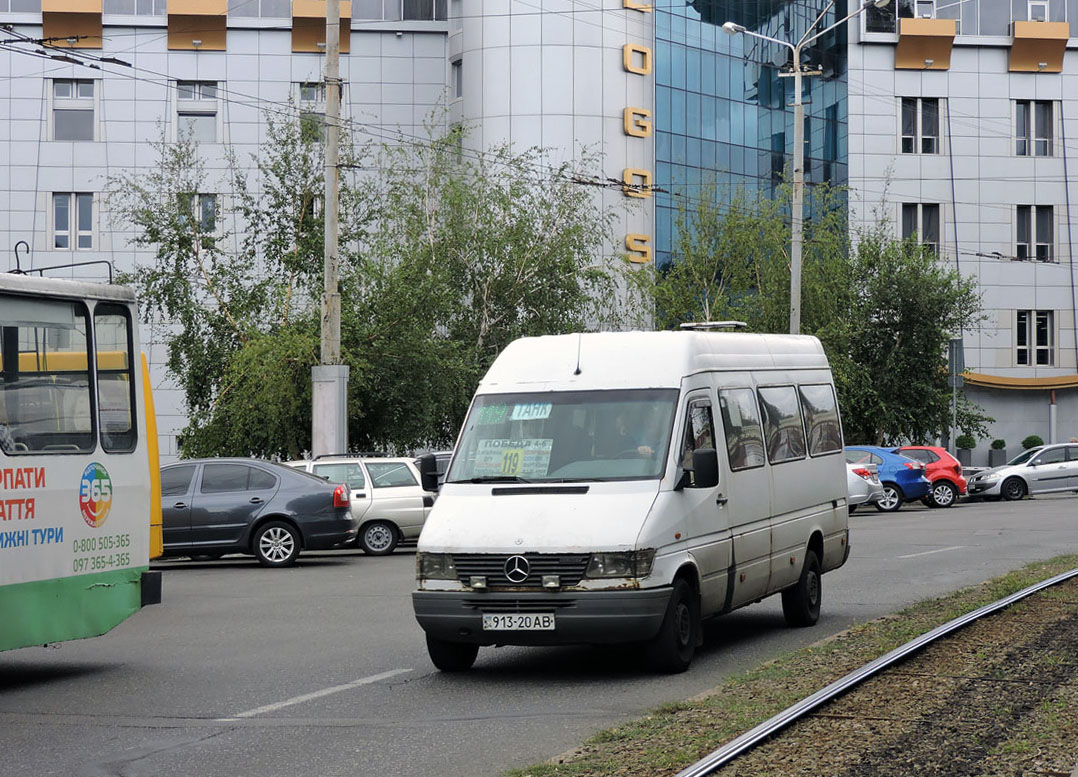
[{"x": 863, "y": 485}]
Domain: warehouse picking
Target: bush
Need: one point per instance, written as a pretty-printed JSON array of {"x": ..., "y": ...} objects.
[
  {"x": 965, "y": 441},
  {"x": 998, "y": 445},
  {"x": 1031, "y": 442}
]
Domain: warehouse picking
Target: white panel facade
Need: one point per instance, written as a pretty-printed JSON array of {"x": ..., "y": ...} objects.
[{"x": 394, "y": 80}]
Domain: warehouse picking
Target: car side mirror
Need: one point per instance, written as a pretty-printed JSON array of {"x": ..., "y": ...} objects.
[
  {"x": 428, "y": 472},
  {"x": 705, "y": 466}
]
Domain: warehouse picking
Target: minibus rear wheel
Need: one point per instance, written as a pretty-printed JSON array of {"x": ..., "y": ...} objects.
[
  {"x": 673, "y": 648},
  {"x": 451, "y": 656},
  {"x": 801, "y": 603}
]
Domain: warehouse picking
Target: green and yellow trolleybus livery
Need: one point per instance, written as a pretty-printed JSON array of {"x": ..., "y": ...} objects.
[{"x": 80, "y": 506}]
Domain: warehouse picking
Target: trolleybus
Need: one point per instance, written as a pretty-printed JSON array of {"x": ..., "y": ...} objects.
[{"x": 80, "y": 504}]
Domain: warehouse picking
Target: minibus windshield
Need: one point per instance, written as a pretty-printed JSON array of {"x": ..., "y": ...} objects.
[{"x": 565, "y": 436}]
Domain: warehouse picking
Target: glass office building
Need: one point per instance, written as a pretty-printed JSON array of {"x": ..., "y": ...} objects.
[{"x": 721, "y": 105}]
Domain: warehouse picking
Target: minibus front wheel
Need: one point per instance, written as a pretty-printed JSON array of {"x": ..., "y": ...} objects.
[
  {"x": 451, "y": 656},
  {"x": 673, "y": 648}
]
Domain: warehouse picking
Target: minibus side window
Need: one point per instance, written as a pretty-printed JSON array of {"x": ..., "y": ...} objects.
[
  {"x": 115, "y": 380},
  {"x": 699, "y": 433},
  {"x": 741, "y": 422},
  {"x": 783, "y": 427},
  {"x": 821, "y": 419}
]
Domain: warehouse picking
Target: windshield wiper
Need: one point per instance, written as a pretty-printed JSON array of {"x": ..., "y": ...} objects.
[{"x": 496, "y": 479}]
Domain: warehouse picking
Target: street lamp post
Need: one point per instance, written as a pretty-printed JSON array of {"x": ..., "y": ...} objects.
[{"x": 798, "y": 197}]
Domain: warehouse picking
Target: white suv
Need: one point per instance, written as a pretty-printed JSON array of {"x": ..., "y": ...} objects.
[{"x": 388, "y": 501}]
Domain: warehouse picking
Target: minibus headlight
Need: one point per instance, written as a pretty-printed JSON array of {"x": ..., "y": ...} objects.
[
  {"x": 435, "y": 566},
  {"x": 632, "y": 563}
]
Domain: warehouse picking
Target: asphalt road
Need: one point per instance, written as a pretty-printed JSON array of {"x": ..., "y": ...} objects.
[{"x": 321, "y": 669}]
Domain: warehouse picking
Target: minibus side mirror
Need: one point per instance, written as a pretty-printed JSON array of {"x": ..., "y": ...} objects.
[
  {"x": 428, "y": 471},
  {"x": 705, "y": 465}
]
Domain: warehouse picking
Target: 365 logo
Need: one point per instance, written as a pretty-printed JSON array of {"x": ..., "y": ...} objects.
[{"x": 95, "y": 494}]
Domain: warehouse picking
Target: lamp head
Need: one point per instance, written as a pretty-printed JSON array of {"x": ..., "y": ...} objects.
[{"x": 732, "y": 28}]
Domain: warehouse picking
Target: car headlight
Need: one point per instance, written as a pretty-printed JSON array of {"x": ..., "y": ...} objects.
[
  {"x": 988, "y": 478},
  {"x": 435, "y": 566},
  {"x": 631, "y": 563}
]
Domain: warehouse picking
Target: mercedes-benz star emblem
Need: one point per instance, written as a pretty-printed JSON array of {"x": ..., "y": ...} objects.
[{"x": 517, "y": 569}]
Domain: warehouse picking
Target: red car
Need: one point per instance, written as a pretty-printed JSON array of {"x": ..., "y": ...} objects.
[{"x": 942, "y": 469}]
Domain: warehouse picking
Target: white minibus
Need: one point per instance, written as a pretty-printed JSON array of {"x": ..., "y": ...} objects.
[{"x": 620, "y": 487}]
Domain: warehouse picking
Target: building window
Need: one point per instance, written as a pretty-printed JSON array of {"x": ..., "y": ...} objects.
[
  {"x": 72, "y": 220},
  {"x": 1033, "y": 127},
  {"x": 1038, "y": 10},
  {"x": 921, "y": 221},
  {"x": 423, "y": 10},
  {"x": 458, "y": 78},
  {"x": 196, "y": 110},
  {"x": 312, "y": 111},
  {"x": 1034, "y": 337},
  {"x": 926, "y": 9},
  {"x": 72, "y": 110},
  {"x": 201, "y": 211},
  {"x": 1035, "y": 229},
  {"x": 920, "y": 125}
]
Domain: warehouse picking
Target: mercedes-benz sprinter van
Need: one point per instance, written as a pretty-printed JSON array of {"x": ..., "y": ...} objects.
[{"x": 620, "y": 487}]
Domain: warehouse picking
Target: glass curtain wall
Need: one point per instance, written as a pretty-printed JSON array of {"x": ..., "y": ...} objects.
[{"x": 721, "y": 109}]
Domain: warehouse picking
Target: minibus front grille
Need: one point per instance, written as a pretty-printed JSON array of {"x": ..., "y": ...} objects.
[{"x": 569, "y": 567}]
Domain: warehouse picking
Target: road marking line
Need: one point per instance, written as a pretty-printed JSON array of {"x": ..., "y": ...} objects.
[
  {"x": 930, "y": 552},
  {"x": 318, "y": 694}
]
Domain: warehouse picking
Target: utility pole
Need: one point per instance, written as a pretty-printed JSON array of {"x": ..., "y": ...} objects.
[{"x": 329, "y": 394}]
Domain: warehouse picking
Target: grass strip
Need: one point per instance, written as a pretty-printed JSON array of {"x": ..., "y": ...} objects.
[{"x": 673, "y": 736}]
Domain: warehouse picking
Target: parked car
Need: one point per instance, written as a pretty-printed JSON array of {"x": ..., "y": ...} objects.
[
  {"x": 903, "y": 478},
  {"x": 863, "y": 485},
  {"x": 211, "y": 507},
  {"x": 942, "y": 469},
  {"x": 388, "y": 502},
  {"x": 1039, "y": 470}
]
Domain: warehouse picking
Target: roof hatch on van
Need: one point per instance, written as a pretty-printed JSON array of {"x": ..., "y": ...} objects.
[{"x": 704, "y": 326}]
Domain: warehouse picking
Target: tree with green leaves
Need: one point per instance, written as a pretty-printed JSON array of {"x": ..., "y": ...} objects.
[
  {"x": 233, "y": 296},
  {"x": 447, "y": 255},
  {"x": 474, "y": 249},
  {"x": 883, "y": 309}
]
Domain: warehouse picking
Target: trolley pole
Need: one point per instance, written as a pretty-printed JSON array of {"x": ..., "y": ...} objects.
[{"x": 329, "y": 389}]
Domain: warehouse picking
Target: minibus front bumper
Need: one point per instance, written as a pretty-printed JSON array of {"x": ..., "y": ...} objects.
[{"x": 580, "y": 617}]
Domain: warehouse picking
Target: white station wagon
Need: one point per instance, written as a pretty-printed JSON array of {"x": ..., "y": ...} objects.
[{"x": 387, "y": 500}]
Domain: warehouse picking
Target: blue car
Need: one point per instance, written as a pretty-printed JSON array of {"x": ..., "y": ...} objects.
[{"x": 903, "y": 478}]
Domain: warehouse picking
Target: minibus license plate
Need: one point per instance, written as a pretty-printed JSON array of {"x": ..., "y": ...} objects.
[{"x": 518, "y": 621}]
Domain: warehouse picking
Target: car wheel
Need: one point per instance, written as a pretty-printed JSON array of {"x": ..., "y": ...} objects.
[
  {"x": 673, "y": 648},
  {"x": 276, "y": 544},
  {"x": 944, "y": 494},
  {"x": 801, "y": 604},
  {"x": 891, "y": 500},
  {"x": 378, "y": 538},
  {"x": 1013, "y": 489},
  {"x": 451, "y": 656}
]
